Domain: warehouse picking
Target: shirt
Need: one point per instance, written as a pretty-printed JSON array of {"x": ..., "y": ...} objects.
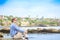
[{"x": 14, "y": 29}]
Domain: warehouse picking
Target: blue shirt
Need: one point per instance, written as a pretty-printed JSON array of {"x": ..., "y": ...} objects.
[{"x": 14, "y": 29}]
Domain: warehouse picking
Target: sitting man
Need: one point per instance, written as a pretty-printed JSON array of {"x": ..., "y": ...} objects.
[{"x": 16, "y": 31}]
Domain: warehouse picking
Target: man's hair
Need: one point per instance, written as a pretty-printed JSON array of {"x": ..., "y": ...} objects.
[{"x": 13, "y": 19}]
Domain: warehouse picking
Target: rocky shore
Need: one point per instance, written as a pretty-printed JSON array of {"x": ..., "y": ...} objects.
[{"x": 38, "y": 30}]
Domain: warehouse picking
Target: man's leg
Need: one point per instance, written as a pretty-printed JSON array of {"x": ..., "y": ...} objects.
[
  {"x": 26, "y": 34},
  {"x": 18, "y": 35}
]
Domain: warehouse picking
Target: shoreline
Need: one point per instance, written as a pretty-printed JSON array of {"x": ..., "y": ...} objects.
[
  {"x": 42, "y": 30},
  {"x": 34, "y": 29}
]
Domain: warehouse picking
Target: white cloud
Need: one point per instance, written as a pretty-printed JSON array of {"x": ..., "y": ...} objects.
[
  {"x": 17, "y": 8},
  {"x": 47, "y": 11}
]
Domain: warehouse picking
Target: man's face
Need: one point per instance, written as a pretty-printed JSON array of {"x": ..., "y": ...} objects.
[{"x": 15, "y": 20}]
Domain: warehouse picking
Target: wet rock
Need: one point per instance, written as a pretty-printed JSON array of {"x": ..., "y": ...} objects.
[{"x": 4, "y": 31}]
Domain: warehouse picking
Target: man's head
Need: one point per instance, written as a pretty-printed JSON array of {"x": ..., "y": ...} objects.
[{"x": 14, "y": 20}]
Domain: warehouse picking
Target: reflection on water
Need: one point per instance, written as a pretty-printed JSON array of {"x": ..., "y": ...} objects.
[
  {"x": 44, "y": 36},
  {"x": 36, "y": 36}
]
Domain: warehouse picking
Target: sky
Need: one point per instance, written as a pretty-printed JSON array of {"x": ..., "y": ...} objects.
[{"x": 32, "y": 8}]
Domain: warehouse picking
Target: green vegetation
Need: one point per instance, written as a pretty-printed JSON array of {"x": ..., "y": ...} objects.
[{"x": 27, "y": 21}]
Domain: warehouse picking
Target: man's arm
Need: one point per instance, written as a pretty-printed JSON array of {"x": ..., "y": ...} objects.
[{"x": 18, "y": 28}]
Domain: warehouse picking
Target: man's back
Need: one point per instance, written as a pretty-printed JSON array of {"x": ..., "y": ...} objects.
[{"x": 14, "y": 29}]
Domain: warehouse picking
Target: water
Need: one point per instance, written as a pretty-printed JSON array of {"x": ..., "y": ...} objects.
[
  {"x": 40, "y": 36},
  {"x": 44, "y": 36},
  {"x": 53, "y": 27}
]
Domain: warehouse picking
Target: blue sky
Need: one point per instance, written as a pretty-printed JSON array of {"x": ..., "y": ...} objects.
[{"x": 24, "y": 8}]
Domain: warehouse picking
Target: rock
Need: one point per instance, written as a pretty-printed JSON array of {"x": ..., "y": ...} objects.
[
  {"x": 4, "y": 31},
  {"x": 42, "y": 25},
  {"x": 1, "y": 35}
]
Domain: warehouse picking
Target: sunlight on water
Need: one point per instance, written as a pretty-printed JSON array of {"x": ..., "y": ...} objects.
[{"x": 40, "y": 36}]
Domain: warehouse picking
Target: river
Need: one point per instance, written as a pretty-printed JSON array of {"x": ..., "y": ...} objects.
[
  {"x": 44, "y": 36},
  {"x": 40, "y": 36}
]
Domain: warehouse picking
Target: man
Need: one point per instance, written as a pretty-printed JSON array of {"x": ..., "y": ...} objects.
[{"x": 15, "y": 31}]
